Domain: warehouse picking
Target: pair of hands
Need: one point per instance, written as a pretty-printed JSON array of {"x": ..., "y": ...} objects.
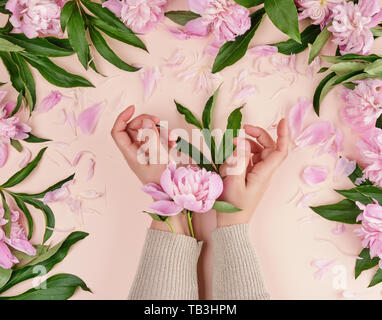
[{"x": 262, "y": 156}]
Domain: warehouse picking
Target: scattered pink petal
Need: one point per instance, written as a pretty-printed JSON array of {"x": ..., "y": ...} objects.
[
  {"x": 297, "y": 115},
  {"x": 263, "y": 51},
  {"x": 292, "y": 63},
  {"x": 91, "y": 169},
  {"x": 3, "y": 154},
  {"x": 305, "y": 200},
  {"x": 314, "y": 175},
  {"x": 71, "y": 119},
  {"x": 315, "y": 134},
  {"x": 244, "y": 93},
  {"x": 87, "y": 120},
  {"x": 75, "y": 205},
  {"x": 90, "y": 194},
  {"x": 340, "y": 229},
  {"x": 78, "y": 157},
  {"x": 26, "y": 159},
  {"x": 49, "y": 102},
  {"x": 344, "y": 167},
  {"x": 323, "y": 266},
  {"x": 176, "y": 59},
  {"x": 58, "y": 195},
  {"x": 178, "y": 33},
  {"x": 150, "y": 79}
]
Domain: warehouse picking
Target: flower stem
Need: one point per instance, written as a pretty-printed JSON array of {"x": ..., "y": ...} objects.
[
  {"x": 189, "y": 218},
  {"x": 170, "y": 225}
]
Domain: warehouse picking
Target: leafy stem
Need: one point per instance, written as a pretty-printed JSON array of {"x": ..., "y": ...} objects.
[
  {"x": 189, "y": 218},
  {"x": 170, "y": 225}
]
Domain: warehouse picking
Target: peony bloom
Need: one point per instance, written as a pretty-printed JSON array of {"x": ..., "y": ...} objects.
[
  {"x": 36, "y": 18},
  {"x": 320, "y": 11},
  {"x": 351, "y": 25},
  {"x": 370, "y": 147},
  {"x": 17, "y": 240},
  {"x": 139, "y": 15},
  {"x": 363, "y": 105},
  {"x": 182, "y": 188},
  {"x": 371, "y": 230}
]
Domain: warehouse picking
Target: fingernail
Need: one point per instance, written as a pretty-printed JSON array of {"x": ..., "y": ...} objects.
[{"x": 147, "y": 124}]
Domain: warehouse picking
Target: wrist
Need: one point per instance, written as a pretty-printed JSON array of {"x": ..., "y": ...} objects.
[
  {"x": 230, "y": 219},
  {"x": 178, "y": 223}
]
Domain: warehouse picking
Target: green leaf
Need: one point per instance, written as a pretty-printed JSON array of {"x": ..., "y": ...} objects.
[
  {"x": 38, "y": 46},
  {"x": 349, "y": 85},
  {"x": 105, "y": 51},
  {"x": 17, "y": 145},
  {"x": 356, "y": 174},
  {"x": 21, "y": 204},
  {"x": 156, "y": 217},
  {"x": 233, "y": 51},
  {"x": 54, "y": 74},
  {"x": 374, "y": 68},
  {"x": 7, "y": 216},
  {"x": 376, "y": 279},
  {"x": 181, "y": 17},
  {"x": 190, "y": 150},
  {"x": 111, "y": 25},
  {"x": 321, "y": 91},
  {"x": 48, "y": 215},
  {"x": 355, "y": 195},
  {"x": 25, "y": 259},
  {"x": 365, "y": 263},
  {"x": 24, "y": 172},
  {"x": 13, "y": 71},
  {"x": 351, "y": 57},
  {"x": 66, "y": 13},
  {"x": 27, "y": 272},
  {"x": 249, "y": 3},
  {"x": 5, "y": 274},
  {"x": 227, "y": 147},
  {"x": 376, "y": 32},
  {"x": 319, "y": 43},
  {"x": 40, "y": 195},
  {"x": 225, "y": 207},
  {"x": 322, "y": 70},
  {"x": 371, "y": 192},
  {"x": 291, "y": 46},
  {"x": 379, "y": 122},
  {"x": 343, "y": 68},
  {"x": 61, "y": 43},
  {"x": 18, "y": 105},
  {"x": 58, "y": 287},
  {"x": 284, "y": 16},
  {"x": 188, "y": 115},
  {"x": 345, "y": 211},
  {"x": 33, "y": 139},
  {"x": 77, "y": 36},
  {"x": 8, "y": 46}
]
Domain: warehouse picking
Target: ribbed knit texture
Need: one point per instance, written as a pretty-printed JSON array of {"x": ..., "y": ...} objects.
[
  {"x": 236, "y": 272},
  {"x": 168, "y": 268}
]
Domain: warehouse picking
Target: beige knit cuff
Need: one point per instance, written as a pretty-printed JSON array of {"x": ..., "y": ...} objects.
[
  {"x": 236, "y": 273},
  {"x": 168, "y": 268}
]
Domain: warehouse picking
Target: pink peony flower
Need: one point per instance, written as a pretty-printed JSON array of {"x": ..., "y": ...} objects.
[
  {"x": 224, "y": 18},
  {"x": 139, "y": 15},
  {"x": 182, "y": 188},
  {"x": 363, "y": 105},
  {"x": 371, "y": 230},
  {"x": 370, "y": 147},
  {"x": 36, "y": 17},
  {"x": 320, "y": 11},
  {"x": 17, "y": 240},
  {"x": 351, "y": 25}
]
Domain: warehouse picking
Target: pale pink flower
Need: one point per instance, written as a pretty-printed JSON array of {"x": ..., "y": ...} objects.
[
  {"x": 225, "y": 19},
  {"x": 36, "y": 17},
  {"x": 313, "y": 175},
  {"x": 139, "y": 15},
  {"x": 351, "y": 25},
  {"x": 320, "y": 11},
  {"x": 371, "y": 230},
  {"x": 189, "y": 188},
  {"x": 363, "y": 105},
  {"x": 16, "y": 240},
  {"x": 370, "y": 147}
]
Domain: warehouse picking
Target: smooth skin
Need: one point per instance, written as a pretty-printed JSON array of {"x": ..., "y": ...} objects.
[{"x": 262, "y": 155}]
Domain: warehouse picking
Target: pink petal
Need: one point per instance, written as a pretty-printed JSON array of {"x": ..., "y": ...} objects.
[
  {"x": 323, "y": 267},
  {"x": 155, "y": 191},
  {"x": 344, "y": 167},
  {"x": 196, "y": 28},
  {"x": 71, "y": 118},
  {"x": 3, "y": 154},
  {"x": 90, "y": 195},
  {"x": 78, "y": 157},
  {"x": 114, "y": 6},
  {"x": 244, "y": 93},
  {"x": 297, "y": 115},
  {"x": 49, "y": 102},
  {"x": 263, "y": 51},
  {"x": 150, "y": 79},
  {"x": 88, "y": 118},
  {"x": 198, "y": 6},
  {"x": 91, "y": 169},
  {"x": 176, "y": 59},
  {"x": 178, "y": 33},
  {"x": 314, "y": 174},
  {"x": 340, "y": 228},
  {"x": 189, "y": 202},
  {"x": 314, "y": 134},
  {"x": 26, "y": 159},
  {"x": 3, "y": 94},
  {"x": 305, "y": 200},
  {"x": 7, "y": 259},
  {"x": 166, "y": 208}
]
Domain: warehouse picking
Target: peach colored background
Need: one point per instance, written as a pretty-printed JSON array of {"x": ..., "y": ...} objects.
[{"x": 108, "y": 258}]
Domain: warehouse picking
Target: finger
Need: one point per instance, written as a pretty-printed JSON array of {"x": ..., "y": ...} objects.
[
  {"x": 121, "y": 121},
  {"x": 283, "y": 137},
  {"x": 119, "y": 134},
  {"x": 261, "y": 136},
  {"x": 137, "y": 122}
]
